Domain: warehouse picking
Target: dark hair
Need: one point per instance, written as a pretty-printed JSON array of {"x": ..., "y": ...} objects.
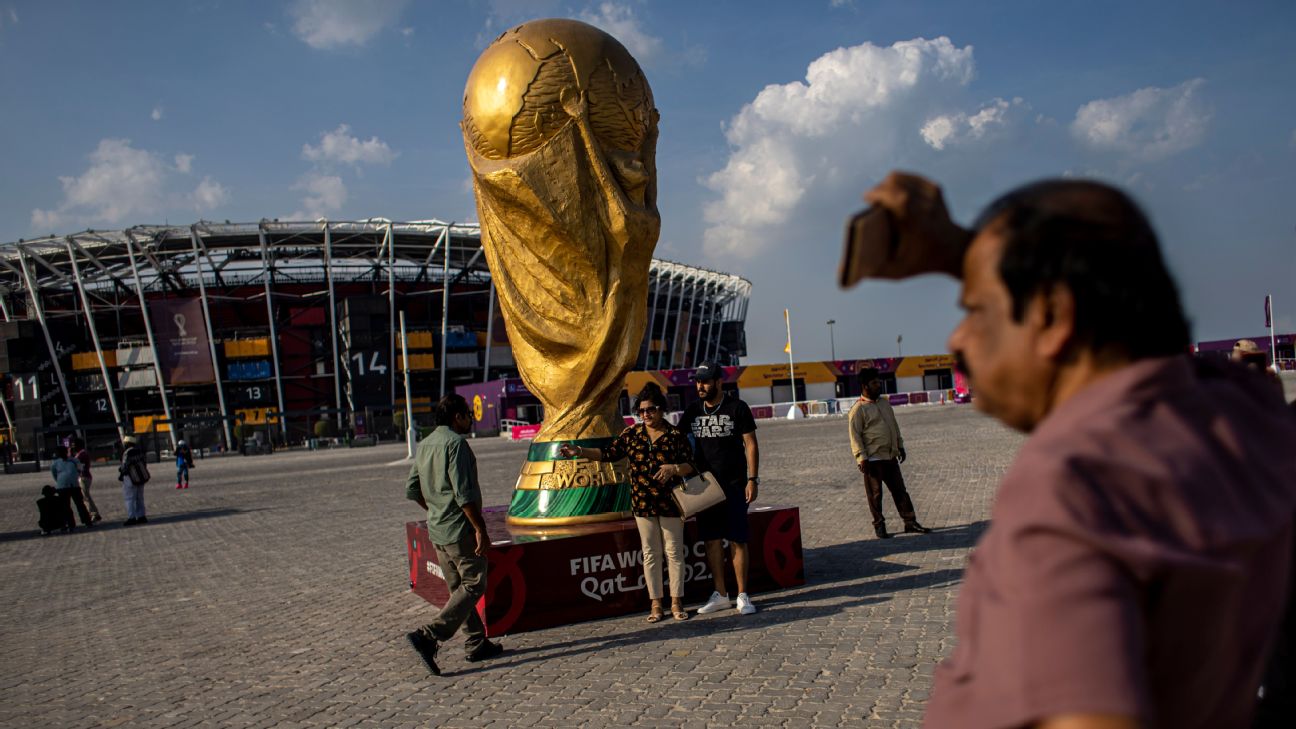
[
  {"x": 868, "y": 374},
  {"x": 60, "y": 451},
  {"x": 450, "y": 406},
  {"x": 651, "y": 393},
  {"x": 78, "y": 443},
  {"x": 48, "y": 490},
  {"x": 1093, "y": 239}
]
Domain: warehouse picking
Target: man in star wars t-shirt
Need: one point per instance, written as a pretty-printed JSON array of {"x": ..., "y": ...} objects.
[{"x": 724, "y": 439}]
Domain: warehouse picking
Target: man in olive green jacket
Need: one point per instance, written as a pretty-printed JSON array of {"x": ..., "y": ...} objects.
[{"x": 443, "y": 481}]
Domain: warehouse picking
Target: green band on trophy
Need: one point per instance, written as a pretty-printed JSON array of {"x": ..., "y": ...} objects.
[
  {"x": 558, "y": 491},
  {"x": 554, "y": 507}
]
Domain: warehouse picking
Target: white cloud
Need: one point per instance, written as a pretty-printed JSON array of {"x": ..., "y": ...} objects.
[
  {"x": 508, "y": 13},
  {"x": 8, "y": 15},
  {"x": 338, "y": 146},
  {"x": 948, "y": 129},
  {"x": 1151, "y": 123},
  {"x": 407, "y": 31},
  {"x": 209, "y": 195},
  {"x": 330, "y": 24},
  {"x": 620, "y": 21},
  {"x": 122, "y": 182},
  {"x": 325, "y": 194},
  {"x": 857, "y": 111},
  {"x": 325, "y": 190},
  {"x": 157, "y": 113}
]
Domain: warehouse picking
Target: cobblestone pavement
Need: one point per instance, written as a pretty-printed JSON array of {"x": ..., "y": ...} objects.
[{"x": 274, "y": 593}]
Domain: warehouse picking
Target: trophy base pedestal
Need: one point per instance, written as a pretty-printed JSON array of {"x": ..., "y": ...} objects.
[{"x": 557, "y": 575}]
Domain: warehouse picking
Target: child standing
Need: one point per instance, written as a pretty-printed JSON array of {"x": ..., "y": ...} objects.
[{"x": 184, "y": 461}]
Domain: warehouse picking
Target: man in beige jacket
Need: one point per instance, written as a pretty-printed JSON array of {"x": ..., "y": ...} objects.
[{"x": 879, "y": 451}]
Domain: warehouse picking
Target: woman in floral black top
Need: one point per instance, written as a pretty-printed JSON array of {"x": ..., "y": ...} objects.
[{"x": 659, "y": 455}]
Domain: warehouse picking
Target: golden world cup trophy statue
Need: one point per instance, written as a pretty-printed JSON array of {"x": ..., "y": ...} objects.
[{"x": 561, "y": 135}]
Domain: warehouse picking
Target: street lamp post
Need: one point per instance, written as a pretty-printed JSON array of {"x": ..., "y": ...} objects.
[
  {"x": 899, "y": 339},
  {"x": 831, "y": 343}
]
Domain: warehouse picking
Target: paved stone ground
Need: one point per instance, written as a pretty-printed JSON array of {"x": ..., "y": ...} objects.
[{"x": 274, "y": 593}]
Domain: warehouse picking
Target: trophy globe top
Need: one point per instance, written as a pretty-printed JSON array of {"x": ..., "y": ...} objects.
[{"x": 535, "y": 79}]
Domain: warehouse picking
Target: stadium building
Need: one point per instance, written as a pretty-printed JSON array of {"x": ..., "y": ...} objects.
[{"x": 284, "y": 330}]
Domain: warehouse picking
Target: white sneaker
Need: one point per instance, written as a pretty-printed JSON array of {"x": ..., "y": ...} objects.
[
  {"x": 745, "y": 605},
  {"x": 716, "y": 603}
]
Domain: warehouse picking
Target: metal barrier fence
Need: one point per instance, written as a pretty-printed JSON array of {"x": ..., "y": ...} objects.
[{"x": 842, "y": 405}]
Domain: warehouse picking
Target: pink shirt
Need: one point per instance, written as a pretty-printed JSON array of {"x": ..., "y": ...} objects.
[{"x": 1138, "y": 557}]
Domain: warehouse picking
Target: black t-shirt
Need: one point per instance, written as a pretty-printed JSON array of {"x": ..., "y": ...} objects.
[{"x": 717, "y": 437}]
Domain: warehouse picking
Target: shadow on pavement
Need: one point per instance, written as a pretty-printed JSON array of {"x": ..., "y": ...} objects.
[
  {"x": 841, "y": 572},
  {"x": 727, "y": 622},
  {"x": 859, "y": 559},
  {"x": 117, "y": 525}
]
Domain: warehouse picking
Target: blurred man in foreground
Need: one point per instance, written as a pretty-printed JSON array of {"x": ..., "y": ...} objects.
[{"x": 1140, "y": 546}]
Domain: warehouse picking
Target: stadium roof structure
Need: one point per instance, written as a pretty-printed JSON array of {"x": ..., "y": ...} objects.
[
  {"x": 82, "y": 283},
  {"x": 107, "y": 264}
]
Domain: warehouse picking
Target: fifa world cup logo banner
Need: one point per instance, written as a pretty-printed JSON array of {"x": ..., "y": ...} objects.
[{"x": 561, "y": 134}]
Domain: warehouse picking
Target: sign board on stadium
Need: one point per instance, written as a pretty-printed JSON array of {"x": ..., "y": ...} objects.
[{"x": 181, "y": 334}]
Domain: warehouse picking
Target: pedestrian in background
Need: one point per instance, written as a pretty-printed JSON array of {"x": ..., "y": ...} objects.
[
  {"x": 879, "y": 450},
  {"x": 133, "y": 474},
  {"x": 82, "y": 457},
  {"x": 66, "y": 475},
  {"x": 184, "y": 461},
  {"x": 53, "y": 511}
]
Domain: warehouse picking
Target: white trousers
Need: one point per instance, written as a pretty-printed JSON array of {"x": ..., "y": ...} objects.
[{"x": 134, "y": 496}]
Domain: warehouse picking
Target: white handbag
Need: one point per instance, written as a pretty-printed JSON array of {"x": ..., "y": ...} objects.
[{"x": 697, "y": 493}]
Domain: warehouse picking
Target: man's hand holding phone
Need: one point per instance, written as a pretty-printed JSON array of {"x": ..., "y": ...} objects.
[{"x": 907, "y": 232}]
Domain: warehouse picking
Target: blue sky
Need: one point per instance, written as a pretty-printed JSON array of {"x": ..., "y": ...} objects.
[{"x": 775, "y": 117}]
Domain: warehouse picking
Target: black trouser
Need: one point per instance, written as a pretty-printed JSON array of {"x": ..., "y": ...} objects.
[
  {"x": 70, "y": 497},
  {"x": 875, "y": 474}
]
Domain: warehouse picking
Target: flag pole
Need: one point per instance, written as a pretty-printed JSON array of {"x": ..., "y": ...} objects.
[
  {"x": 410, "y": 432},
  {"x": 787, "y": 320},
  {"x": 1270, "y": 320}
]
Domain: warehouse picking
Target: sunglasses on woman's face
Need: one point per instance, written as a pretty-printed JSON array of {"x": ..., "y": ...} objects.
[{"x": 646, "y": 411}]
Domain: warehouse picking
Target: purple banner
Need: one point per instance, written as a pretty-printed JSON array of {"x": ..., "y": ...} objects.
[
  {"x": 484, "y": 400},
  {"x": 184, "y": 353},
  {"x": 515, "y": 386}
]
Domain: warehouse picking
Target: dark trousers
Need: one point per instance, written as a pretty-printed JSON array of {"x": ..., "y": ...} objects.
[
  {"x": 70, "y": 497},
  {"x": 465, "y": 575},
  {"x": 875, "y": 474}
]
